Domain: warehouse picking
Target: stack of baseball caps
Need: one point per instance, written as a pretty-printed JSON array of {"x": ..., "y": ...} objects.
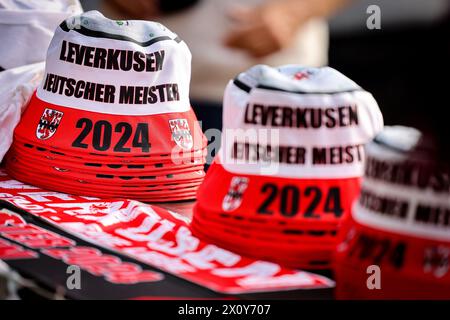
[
  {"x": 290, "y": 164},
  {"x": 112, "y": 117},
  {"x": 396, "y": 244}
]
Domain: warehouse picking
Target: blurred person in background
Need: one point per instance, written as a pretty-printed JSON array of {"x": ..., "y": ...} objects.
[{"x": 227, "y": 37}]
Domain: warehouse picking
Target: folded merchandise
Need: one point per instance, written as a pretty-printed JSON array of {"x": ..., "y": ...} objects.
[
  {"x": 148, "y": 189},
  {"x": 27, "y": 29},
  {"x": 89, "y": 168},
  {"x": 145, "y": 250}
]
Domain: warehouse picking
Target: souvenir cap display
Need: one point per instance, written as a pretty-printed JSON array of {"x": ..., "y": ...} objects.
[
  {"x": 397, "y": 239},
  {"x": 290, "y": 164},
  {"x": 112, "y": 116}
]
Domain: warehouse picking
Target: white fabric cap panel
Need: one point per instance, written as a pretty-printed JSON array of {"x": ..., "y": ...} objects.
[
  {"x": 137, "y": 58},
  {"x": 315, "y": 111}
]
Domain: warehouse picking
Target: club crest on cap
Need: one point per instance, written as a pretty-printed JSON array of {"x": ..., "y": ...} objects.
[
  {"x": 436, "y": 260},
  {"x": 48, "y": 124},
  {"x": 181, "y": 133},
  {"x": 233, "y": 199}
]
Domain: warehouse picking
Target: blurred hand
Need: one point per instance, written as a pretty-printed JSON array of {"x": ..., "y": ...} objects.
[
  {"x": 135, "y": 9},
  {"x": 270, "y": 27}
]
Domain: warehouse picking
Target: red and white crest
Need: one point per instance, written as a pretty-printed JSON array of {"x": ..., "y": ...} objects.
[
  {"x": 181, "y": 133},
  {"x": 233, "y": 199},
  {"x": 301, "y": 75},
  {"x": 48, "y": 124}
]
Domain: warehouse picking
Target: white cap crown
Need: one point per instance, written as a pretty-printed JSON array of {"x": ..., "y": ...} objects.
[{"x": 119, "y": 67}]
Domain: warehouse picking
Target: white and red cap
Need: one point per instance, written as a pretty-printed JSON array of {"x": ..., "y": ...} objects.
[
  {"x": 401, "y": 222},
  {"x": 114, "y": 72},
  {"x": 290, "y": 163},
  {"x": 113, "y": 107}
]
